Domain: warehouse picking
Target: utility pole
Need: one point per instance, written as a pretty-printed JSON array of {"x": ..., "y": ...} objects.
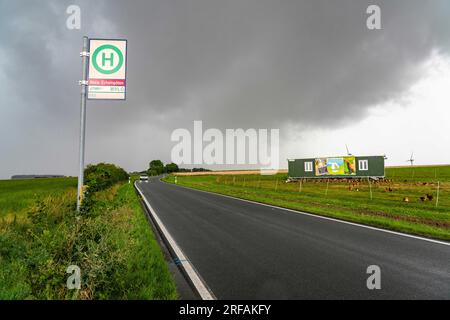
[{"x": 83, "y": 83}]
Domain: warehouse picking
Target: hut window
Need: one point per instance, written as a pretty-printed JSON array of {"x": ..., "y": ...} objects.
[
  {"x": 363, "y": 165},
  {"x": 308, "y": 167}
]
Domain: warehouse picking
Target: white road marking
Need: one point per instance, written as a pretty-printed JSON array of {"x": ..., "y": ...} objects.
[
  {"x": 318, "y": 216},
  {"x": 200, "y": 285}
]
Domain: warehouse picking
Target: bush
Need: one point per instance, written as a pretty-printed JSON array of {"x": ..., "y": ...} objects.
[
  {"x": 103, "y": 175},
  {"x": 100, "y": 177}
]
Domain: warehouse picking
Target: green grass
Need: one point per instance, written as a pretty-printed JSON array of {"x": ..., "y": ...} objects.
[
  {"x": 419, "y": 174},
  {"x": 386, "y": 208},
  {"x": 18, "y": 195},
  {"x": 112, "y": 244}
]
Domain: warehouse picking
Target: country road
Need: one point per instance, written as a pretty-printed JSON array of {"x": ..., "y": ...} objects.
[{"x": 244, "y": 250}]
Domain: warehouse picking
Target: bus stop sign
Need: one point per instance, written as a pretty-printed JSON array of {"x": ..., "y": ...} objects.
[{"x": 107, "y": 69}]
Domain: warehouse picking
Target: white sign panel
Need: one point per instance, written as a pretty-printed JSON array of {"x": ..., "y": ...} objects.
[{"x": 107, "y": 69}]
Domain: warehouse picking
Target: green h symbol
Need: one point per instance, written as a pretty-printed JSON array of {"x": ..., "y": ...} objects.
[{"x": 110, "y": 59}]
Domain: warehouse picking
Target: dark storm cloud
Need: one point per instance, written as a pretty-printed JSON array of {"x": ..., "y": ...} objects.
[
  {"x": 230, "y": 63},
  {"x": 262, "y": 63}
]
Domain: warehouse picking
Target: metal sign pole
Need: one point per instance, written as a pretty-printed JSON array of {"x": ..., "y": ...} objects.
[{"x": 83, "y": 83}]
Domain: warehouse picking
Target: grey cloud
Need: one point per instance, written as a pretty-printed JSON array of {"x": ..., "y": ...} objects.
[{"x": 262, "y": 63}]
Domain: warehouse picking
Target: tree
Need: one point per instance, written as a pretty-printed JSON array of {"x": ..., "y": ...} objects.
[
  {"x": 171, "y": 167},
  {"x": 156, "y": 168},
  {"x": 200, "y": 170}
]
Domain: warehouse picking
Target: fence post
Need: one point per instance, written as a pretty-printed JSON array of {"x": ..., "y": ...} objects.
[
  {"x": 300, "y": 186},
  {"x": 259, "y": 182},
  {"x": 234, "y": 180},
  {"x": 276, "y": 185},
  {"x": 243, "y": 183},
  {"x": 370, "y": 188},
  {"x": 326, "y": 191},
  {"x": 437, "y": 195}
]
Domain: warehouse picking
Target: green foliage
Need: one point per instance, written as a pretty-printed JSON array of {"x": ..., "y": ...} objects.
[
  {"x": 100, "y": 177},
  {"x": 200, "y": 170},
  {"x": 103, "y": 175},
  {"x": 156, "y": 168},
  {"x": 171, "y": 167}
]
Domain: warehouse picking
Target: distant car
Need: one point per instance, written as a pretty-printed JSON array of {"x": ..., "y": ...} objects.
[{"x": 143, "y": 178}]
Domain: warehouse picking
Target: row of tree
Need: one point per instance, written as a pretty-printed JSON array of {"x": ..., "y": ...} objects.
[{"x": 157, "y": 167}]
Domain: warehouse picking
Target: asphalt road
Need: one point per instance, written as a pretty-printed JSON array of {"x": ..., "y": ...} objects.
[{"x": 249, "y": 251}]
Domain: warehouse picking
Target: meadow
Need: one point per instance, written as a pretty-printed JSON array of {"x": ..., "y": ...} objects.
[
  {"x": 414, "y": 200},
  {"x": 17, "y": 195}
]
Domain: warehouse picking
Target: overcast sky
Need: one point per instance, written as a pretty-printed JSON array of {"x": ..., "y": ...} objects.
[{"x": 309, "y": 68}]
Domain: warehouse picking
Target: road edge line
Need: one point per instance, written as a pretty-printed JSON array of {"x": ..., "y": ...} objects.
[
  {"x": 319, "y": 216},
  {"x": 195, "y": 278}
]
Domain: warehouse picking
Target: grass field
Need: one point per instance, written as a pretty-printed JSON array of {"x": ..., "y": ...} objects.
[
  {"x": 407, "y": 201},
  {"x": 17, "y": 195},
  {"x": 112, "y": 244}
]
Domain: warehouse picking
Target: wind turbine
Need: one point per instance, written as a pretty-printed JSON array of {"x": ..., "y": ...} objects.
[
  {"x": 348, "y": 152},
  {"x": 411, "y": 159}
]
